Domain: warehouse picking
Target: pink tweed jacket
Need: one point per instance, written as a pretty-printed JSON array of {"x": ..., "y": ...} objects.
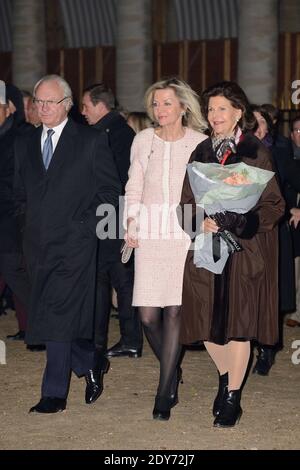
[{"x": 155, "y": 180}]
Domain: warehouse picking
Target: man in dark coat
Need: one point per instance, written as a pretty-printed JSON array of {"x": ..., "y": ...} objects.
[
  {"x": 64, "y": 171},
  {"x": 99, "y": 110},
  {"x": 11, "y": 260},
  {"x": 282, "y": 157},
  {"x": 293, "y": 319}
]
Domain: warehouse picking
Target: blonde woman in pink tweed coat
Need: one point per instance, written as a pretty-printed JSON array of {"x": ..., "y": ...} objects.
[{"x": 158, "y": 164}]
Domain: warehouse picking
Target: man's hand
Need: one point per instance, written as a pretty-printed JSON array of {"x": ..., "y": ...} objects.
[{"x": 295, "y": 219}]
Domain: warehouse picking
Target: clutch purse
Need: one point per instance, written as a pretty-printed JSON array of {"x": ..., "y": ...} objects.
[{"x": 126, "y": 252}]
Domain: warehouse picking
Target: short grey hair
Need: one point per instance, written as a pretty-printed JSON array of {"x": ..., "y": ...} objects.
[{"x": 65, "y": 87}]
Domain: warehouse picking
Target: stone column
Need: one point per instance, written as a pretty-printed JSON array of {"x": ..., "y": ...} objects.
[
  {"x": 134, "y": 52},
  {"x": 171, "y": 20},
  {"x": 258, "y": 49},
  {"x": 29, "y": 42}
]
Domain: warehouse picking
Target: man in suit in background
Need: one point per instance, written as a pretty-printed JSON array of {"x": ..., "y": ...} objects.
[
  {"x": 98, "y": 107},
  {"x": 64, "y": 171},
  {"x": 31, "y": 112},
  {"x": 12, "y": 267},
  {"x": 293, "y": 319}
]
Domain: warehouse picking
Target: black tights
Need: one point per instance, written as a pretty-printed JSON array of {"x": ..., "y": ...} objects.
[{"x": 162, "y": 331}]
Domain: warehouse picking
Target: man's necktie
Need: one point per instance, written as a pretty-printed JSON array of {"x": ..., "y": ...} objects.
[{"x": 48, "y": 149}]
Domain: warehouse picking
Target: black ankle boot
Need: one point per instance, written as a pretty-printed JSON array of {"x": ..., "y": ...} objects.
[
  {"x": 231, "y": 410},
  {"x": 265, "y": 360},
  {"x": 174, "y": 393},
  {"x": 223, "y": 383},
  {"x": 162, "y": 408}
]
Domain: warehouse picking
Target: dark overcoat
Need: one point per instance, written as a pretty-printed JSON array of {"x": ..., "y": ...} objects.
[
  {"x": 293, "y": 176},
  {"x": 60, "y": 228},
  {"x": 120, "y": 137},
  {"x": 243, "y": 300},
  {"x": 282, "y": 153},
  {"x": 10, "y": 239}
]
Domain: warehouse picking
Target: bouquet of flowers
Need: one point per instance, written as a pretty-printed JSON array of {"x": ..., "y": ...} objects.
[{"x": 217, "y": 188}]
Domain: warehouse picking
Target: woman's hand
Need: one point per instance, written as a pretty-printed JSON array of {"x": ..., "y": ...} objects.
[
  {"x": 131, "y": 236},
  {"x": 209, "y": 225},
  {"x": 295, "y": 219},
  {"x": 231, "y": 221}
]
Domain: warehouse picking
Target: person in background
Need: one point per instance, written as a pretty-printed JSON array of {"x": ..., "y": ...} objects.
[
  {"x": 228, "y": 310},
  {"x": 138, "y": 121},
  {"x": 282, "y": 156},
  {"x": 158, "y": 161},
  {"x": 295, "y": 219},
  {"x": 30, "y": 109},
  {"x": 98, "y": 107},
  {"x": 16, "y": 108},
  {"x": 293, "y": 319},
  {"x": 12, "y": 268},
  {"x": 27, "y": 97},
  {"x": 295, "y": 137}
]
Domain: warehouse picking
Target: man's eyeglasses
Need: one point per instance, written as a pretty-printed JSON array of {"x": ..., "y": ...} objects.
[{"x": 49, "y": 102}]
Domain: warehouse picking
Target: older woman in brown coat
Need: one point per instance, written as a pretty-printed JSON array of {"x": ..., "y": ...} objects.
[{"x": 228, "y": 310}]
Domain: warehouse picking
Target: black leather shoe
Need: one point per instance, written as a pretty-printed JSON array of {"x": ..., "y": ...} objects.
[
  {"x": 162, "y": 408},
  {"x": 94, "y": 383},
  {"x": 49, "y": 405},
  {"x": 223, "y": 383},
  {"x": 36, "y": 347},
  {"x": 17, "y": 337},
  {"x": 120, "y": 350},
  {"x": 231, "y": 411},
  {"x": 265, "y": 360}
]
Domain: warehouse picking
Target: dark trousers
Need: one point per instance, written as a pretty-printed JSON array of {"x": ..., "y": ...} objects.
[
  {"x": 119, "y": 276},
  {"x": 62, "y": 359},
  {"x": 13, "y": 271}
]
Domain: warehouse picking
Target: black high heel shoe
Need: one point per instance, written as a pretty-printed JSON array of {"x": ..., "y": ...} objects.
[
  {"x": 162, "y": 408},
  {"x": 265, "y": 360},
  {"x": 163, "y": 405},
  {"x": 223, "y": 384},
  {"x": 231, "y": 411}
]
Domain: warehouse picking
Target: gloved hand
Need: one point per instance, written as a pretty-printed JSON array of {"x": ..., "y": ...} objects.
[{"x": 230, "y": 221}]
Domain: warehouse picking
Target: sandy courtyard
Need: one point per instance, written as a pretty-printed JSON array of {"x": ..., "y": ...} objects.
[{"x": 122, "y": 417}]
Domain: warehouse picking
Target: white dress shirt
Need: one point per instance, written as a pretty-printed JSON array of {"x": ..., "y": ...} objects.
[{"x": 55, "y": 137}]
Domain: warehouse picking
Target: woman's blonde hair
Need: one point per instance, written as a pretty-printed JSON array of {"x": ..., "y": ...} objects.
[
  {"x": 188, "y": 99},
  {"x": 138, "y": 120}
]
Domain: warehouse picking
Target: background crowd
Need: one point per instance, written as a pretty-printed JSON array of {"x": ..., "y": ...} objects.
[{"x": 54, "y": 173}]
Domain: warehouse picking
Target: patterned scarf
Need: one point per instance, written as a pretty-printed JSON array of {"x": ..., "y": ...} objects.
[{"x": 221, "y": 145}]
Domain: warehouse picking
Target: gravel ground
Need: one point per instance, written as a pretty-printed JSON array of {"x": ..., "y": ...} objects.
[{"x": 122, "y": 416}]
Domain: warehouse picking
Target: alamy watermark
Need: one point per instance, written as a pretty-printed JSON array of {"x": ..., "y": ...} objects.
[
  {"x": 296, "y": 354},
  {"x": 154, "y": 221},
  {"x": 296, "y": 94}
]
